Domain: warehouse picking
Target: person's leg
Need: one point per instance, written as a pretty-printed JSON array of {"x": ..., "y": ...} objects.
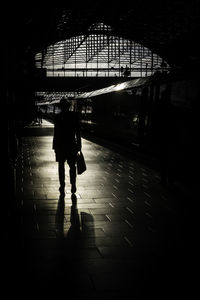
[
  {"x": 72, "y": 172},
  {"x": 61, "y": 174}
]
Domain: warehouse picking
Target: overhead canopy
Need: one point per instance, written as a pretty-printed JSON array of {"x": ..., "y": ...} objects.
[
  {"x": 169, "y": 28},
  {"x": 99, "y": 53},
  {"x": 53, "y": 98}
]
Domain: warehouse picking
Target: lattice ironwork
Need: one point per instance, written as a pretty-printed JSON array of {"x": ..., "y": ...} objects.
[{"x": 99, "y": 53}]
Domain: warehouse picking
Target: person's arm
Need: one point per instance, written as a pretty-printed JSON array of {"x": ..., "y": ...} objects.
[{"x": 78, "y": 135}]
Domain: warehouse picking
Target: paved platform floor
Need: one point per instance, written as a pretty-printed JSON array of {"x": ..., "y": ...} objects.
[{"x": 121, "y": 234}]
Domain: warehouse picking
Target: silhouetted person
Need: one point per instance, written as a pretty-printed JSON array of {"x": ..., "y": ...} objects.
[
  {"x": 39, "y": 116},
  {"x": 66, "y": 143}
]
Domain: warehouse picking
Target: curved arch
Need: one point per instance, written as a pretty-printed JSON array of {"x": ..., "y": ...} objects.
[{"x": 99, "y": 53}]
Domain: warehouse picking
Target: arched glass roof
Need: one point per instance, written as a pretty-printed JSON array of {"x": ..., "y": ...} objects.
[{"x": 99, "y": 53}]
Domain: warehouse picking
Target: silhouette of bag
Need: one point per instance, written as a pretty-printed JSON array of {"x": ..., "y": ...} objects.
[{"x": 81, "y": 165}]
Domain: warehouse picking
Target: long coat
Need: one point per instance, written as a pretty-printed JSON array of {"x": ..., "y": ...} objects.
[{"x": 66, "y": 139}]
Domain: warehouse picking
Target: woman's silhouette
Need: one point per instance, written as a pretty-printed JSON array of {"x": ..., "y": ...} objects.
[{"x": 66, "y": 143}]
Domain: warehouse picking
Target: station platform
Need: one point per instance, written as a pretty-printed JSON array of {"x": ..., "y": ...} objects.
[{"x": 122, "y": 234}]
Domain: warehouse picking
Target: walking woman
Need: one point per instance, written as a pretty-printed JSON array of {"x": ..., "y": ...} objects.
[{"x": 66, "y": 143}]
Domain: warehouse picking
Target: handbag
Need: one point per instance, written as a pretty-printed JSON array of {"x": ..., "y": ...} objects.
[{"x": 80, "y": 161}]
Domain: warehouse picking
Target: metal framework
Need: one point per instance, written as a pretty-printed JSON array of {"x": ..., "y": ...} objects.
[
  {"x": 99, "y": 53},
  {"x": 43, "y": 98}
]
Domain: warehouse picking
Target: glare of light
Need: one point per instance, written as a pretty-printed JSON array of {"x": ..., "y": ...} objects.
[{"x": 120, "y": 86}]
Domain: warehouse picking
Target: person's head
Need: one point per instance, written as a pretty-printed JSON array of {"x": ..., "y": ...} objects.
[{"x": 64, "y": 104}]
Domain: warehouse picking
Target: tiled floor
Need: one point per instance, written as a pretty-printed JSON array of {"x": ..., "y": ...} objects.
[{"x": 122, "y": 235}]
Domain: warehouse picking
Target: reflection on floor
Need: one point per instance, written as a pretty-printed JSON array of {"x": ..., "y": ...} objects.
[{"x": 120, "y": 234}]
